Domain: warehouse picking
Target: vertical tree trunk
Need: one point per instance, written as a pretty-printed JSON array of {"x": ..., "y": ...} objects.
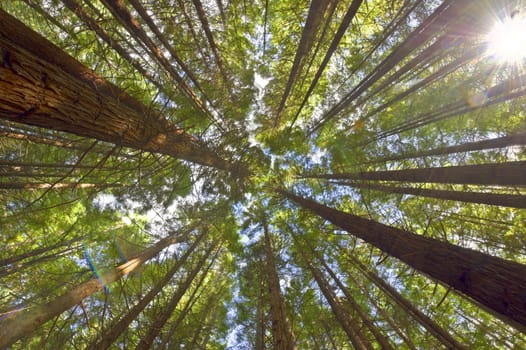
[
  {"x": 113, "y": 333},
  {"x": 260, "y": 312},
  {"x": 496, "y": 284},
  {"x": 45, "y": 87},
  {"x": 505, "y": 174},
  {"x": 159, "y": 322},
  {"x": 23, "y": 322},
  {"x": 282, "y": 336}
]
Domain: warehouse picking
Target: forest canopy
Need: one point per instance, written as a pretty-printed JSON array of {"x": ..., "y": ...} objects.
[{"x": 268, "y": 174}]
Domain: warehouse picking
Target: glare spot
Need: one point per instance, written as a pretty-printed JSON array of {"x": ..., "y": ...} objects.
[{"x": 507, "y": 40}]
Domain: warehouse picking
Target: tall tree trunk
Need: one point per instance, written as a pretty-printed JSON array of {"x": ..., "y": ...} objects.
[
  {"x": 113, "y": 333},
  {"x": 504, "y": 174},
  {"x": 499, "y": 142},
  {"x": 23, "y": 322},
  {"x": 348, "y": 323},
  {"x": 260, "y": 312},
  {"x": 55, "y": 185},
  {"x": 496, "y": 284},
  {"x": 431, "y": 326},
  {"x": 45, "y": 87},
  {"x": 346, "y": 21},
  {"x": 314, "y": 19},
  {"x": 503, "y": 200},
  {"x": 159, "y": 322},
  {"x": 380, "y": 338},
  {"x": 282, "y": 336}
]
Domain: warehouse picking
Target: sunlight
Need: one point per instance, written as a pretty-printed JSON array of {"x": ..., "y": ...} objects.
[{"x": 507, "y": 40}]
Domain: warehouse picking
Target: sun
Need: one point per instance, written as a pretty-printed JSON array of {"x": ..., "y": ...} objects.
[{"x": 507, "y": 40}]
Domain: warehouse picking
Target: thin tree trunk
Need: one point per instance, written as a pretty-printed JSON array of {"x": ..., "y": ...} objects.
[
  {"x": 25, "y": 321},
  {"x": 503, "y": 200},
  {"x": 282, "y": 336},
  {"x": 496, "y": 284},
  {"x": 14, "y": 259},
  {"x": 260, "y": 312},
  {"x": 159, "y": 322},
  {"x": 348, "y": 323},
  {"x": 380, "y": 338},
  {"x": 61, "y": 94},
  {"x": 57, "y": 186},
  {"x": 500, "y": 142},
  {"x": 210, "y": 37},
  {"x": 504, "y": 174},
  {"x": 314, "y": 19},
  {"x": 431, "y": 326},
  {"x": 112, "y": 334},
  {"x": 346, "y": 21}
]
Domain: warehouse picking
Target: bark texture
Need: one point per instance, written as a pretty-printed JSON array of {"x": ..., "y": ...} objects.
[
  {"x": 496, "y": 284},
  {"x": 46, "y": 87},
  {"x": 282, "y": 336}
]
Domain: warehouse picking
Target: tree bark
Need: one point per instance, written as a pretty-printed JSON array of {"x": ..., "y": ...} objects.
[
  {"x": 23, "y": 322},
  {"x": 496, "y": 284},
  {"x": 503, "y": 174},
  {"x": 113, "y": 333},
  {"x": 282, "y": 336},
  {"x": 503, "y": 200},
  {"x": 47, "y": 88}
]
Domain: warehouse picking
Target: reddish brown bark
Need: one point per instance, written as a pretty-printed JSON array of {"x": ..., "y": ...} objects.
[
  {"x": 496, "y": 284},
  {"x": 282, "y": 336},
  {"x": 46, "y": 87}
]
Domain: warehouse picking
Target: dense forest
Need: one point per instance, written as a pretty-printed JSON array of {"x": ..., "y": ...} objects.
[{"x": 265, "y": 174}]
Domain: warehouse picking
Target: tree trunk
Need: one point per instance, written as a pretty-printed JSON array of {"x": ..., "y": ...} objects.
[
  {"x": 346, "y": 21},
  {"x": 310, "y": 29},
  {"x": 23, "y": 322},
  {"x": 112, "y": 334},
  {"x": 260, "y": 312},
  {"x": 348, "y": 323},
  {"x": 56, "y": 186},
  {"x": 504, "y": 174},
  {"x": 380, "y": 338},
  {"x": 159, "y": 322},
  {"x": 496, "y": 284},
  {"x": 47, "y": 88},
  {"x": 282, "y": 336},
  {"x": 431, "y": 326},
  {"x": 503, "y": 200},
  {"x": 499, "y": 142}
]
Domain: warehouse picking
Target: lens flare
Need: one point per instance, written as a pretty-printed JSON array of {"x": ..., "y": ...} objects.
[
  {"x": 94, "y": 269},
  {"x": 507, "y": 40}
]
